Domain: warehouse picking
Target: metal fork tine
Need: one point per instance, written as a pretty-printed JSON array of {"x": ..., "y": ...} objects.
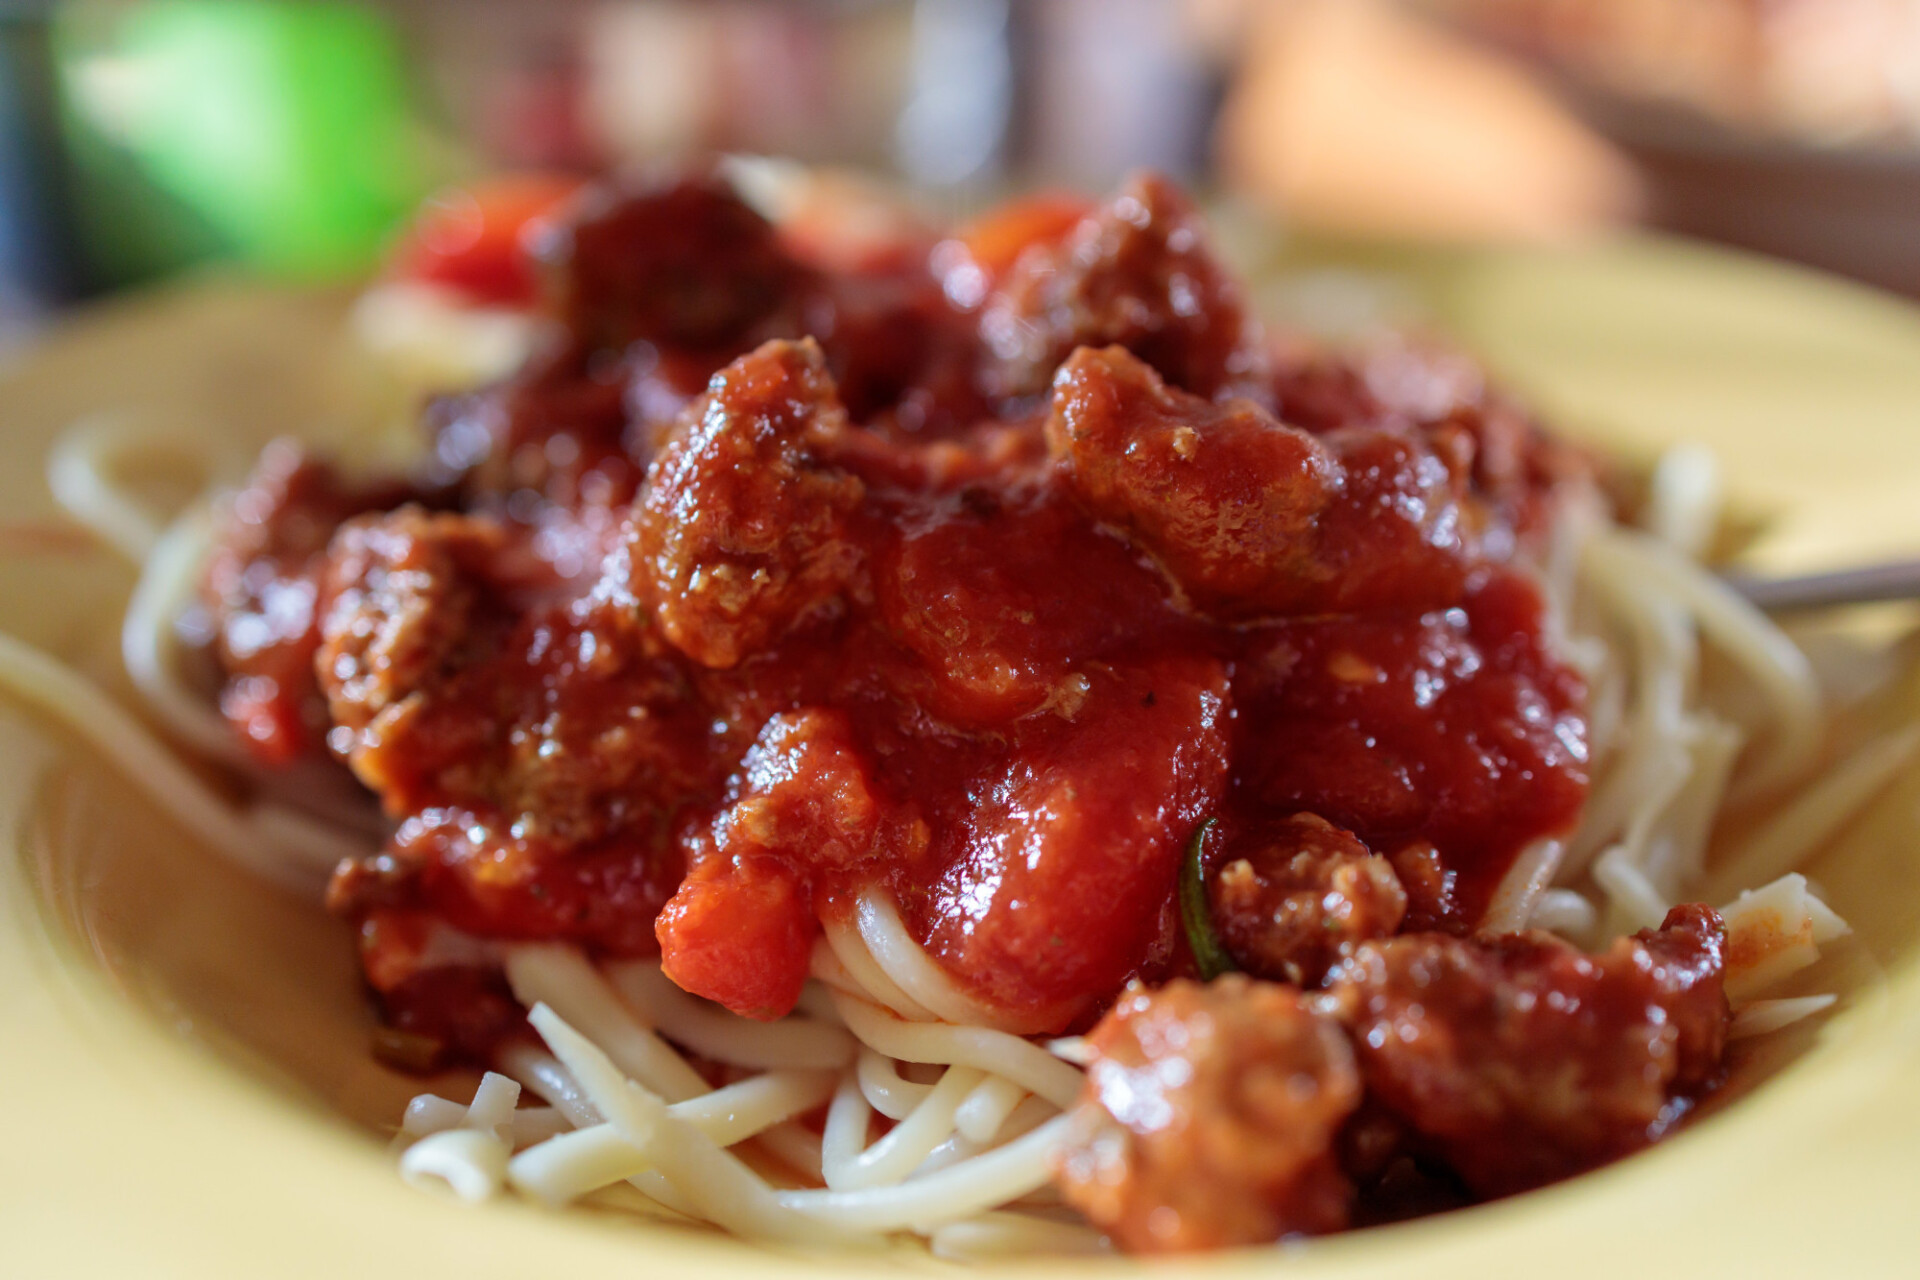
[{"x": 1896, "y": 580}]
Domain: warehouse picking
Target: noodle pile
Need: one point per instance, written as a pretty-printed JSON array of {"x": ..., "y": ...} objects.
[{"x": 938, "y": 1123}]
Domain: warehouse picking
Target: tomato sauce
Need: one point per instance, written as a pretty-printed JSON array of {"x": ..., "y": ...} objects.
[{"x": 987, "y": 595}]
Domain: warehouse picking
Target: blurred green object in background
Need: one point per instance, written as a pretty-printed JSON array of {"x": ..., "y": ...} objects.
[{"x": 280, "y": 135}]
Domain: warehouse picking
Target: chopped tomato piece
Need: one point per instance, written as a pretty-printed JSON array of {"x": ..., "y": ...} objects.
[
  {"x": 740, "y": 932},
  {"x": 997, "y": 237},
  {"x": 469, "y": 238}
]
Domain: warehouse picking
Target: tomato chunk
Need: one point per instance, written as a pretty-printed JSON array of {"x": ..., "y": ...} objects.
[
  {"x": 1068, "y": 852},
  {"x": 470, "y": 238},
  {"x": 740, "y": 932}
]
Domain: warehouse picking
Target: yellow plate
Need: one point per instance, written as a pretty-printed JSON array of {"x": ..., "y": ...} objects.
[{"x": 182, "y": 1049}]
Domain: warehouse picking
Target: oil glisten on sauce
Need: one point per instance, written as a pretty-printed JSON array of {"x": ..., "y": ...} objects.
[{"x": 989, "y": 571}]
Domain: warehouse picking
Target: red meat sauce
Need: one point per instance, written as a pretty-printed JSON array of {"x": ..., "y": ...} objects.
[
  {"x": 1245, "y": 1110},
  {"x": 982, "y": 572},
  {"x": 985, "y": 572}
]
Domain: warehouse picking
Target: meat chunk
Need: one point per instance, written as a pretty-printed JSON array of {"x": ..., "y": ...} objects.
[
  {"x": 1521, "y": 1060},
  {"x": 573, "y": 428},
  {"x": 1292, "y": 899},
  {"x": 442, "y": 1017},
  {"x": 557, "y": 726},
  {"x": 1248, "y": 516},
  {"x": 1400, "y": 535},
  {"x": 263, "y": 589},
  {"x": 535, "y": 775},
  {"x": 1210, "y": 1119},
  {"x": 745, "y": 523},
  {"x": 401, "y": 598},
  {"x": 473, "y": 870},
  {"x": 1511, "y": 465},
  {"x": 1228, "y": 500},
  {"x": 658, "y": 285},
  {"x": 570, "y": 727},
  {"x": 1138, "y": 274},
  {"x": 596, "y": 732},
  {"x": 900, "y": 353},
  {"x": 803, "y": 791},
  {"x": 1318, "y": 391},
  {"x": 741, "y": 926},
  {"x": 685, "y": 263}
]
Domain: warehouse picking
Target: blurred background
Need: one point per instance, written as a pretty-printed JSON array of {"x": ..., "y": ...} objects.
[{"x": 142, "y": 139}]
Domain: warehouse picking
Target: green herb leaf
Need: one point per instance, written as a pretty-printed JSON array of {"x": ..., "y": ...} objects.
[{"x": 1196, "y": 915}]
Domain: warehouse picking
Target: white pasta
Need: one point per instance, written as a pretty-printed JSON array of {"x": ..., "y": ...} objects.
[
  {"x": 82, "y": 474},
  {"x": 885, "y": 1090},
  {"x": 905, "y": 1146},
  {"x": 74, "y": 703},
  {"x": 1002, "y": 1234},
  {"x": 958, "y": 1191},
  {"x": 1763, "y": 1017},
  {"x": 1028, "y": 1065},
  {"x": 982, "y": 1112},
  {"x": 715, "y": 1033},
  {"x": 916, "y": 975},
  {"x": 560, "y": 977},
  {"x": 470, "y": 1157},
  {"x": 972, "y": 1109},
  {"x": 711, "y": 1179},
  {"x": 1773, "y": 932},
  {"x": 574, "y": 1164},
  {"x": 919, "y": 1176},
  {"x": 849, "y": 960},
  {"x": 149, "y": 640},
  {"x": 1810, "y": 818}
]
